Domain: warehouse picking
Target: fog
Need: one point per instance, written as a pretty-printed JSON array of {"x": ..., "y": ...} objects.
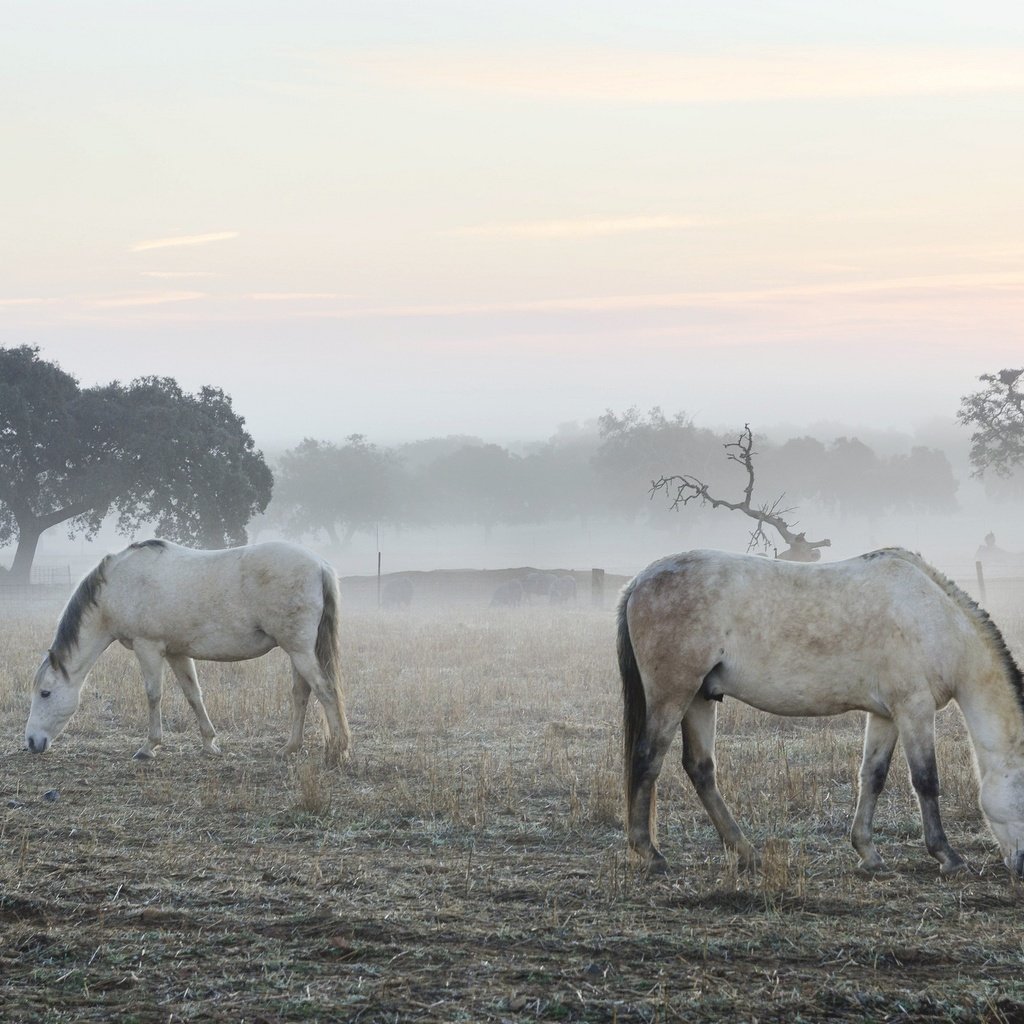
[{"x": 624, "y": 536}]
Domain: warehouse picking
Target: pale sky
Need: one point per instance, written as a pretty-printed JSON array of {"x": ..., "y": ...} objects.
[{"x": 419, "y": 218}]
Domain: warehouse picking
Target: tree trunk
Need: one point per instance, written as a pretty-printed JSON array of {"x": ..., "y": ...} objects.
[
  {"x": 30, "y": 529},
  {"x": 24, "y": 555}
]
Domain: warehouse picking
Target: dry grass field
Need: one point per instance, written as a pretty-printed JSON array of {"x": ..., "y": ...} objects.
[{"x": 468, "y": 863}]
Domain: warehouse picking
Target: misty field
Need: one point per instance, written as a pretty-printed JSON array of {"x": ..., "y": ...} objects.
[{"x": 468, "y": 863}]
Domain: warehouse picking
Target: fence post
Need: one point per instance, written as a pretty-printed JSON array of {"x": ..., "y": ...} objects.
[
  {"x": 597, "y": 587},
  {"x": 981, "y": 581}
]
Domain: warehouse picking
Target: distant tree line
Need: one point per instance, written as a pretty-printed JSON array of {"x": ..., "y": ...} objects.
[
  {"x": 336, "y": 490},
  {"x": 149, "y": 454}
]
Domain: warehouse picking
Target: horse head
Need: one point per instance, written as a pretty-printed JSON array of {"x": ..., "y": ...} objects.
[
  {"x": 54, "y": 700},
  {"x": 1002, "y": 801}
]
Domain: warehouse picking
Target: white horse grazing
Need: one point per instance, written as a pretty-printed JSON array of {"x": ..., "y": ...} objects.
[
  {"x": 169, "y": 603},
  {"x": 883, "y": 633}
]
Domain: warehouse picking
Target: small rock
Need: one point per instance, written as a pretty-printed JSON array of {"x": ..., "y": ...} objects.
[
  {"x": 51, "y": 795},
  {"x": 517, "y": 1003},
  {"x": 14, "y": 804}
]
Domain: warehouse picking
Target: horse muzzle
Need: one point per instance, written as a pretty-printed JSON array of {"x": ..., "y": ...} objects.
[{"x": 38, "y": 746}]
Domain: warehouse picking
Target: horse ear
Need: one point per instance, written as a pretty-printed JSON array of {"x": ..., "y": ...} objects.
[{"x": 57, "y": 665}]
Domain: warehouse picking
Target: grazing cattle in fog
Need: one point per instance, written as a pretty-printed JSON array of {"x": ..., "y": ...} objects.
[
  {"x": 538, "y": 584},
  {"x": 996, "y": 558},
  {"x": 397, "y": 593},
  {"x": 508, "y": 595},
  {"x": 563, "y": 590}
]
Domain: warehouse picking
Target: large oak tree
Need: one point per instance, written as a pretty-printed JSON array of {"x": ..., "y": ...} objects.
[{"x": 147, "y": 452}]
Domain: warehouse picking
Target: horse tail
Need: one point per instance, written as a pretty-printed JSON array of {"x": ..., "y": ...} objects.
[
  {"x": 634, "y": 711},
  {"x": 328, "y": 651}
]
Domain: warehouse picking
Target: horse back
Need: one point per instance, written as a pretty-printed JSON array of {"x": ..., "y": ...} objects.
[
  {"x": 792, "y": 638},
  {"x": 238, "y": 602}
]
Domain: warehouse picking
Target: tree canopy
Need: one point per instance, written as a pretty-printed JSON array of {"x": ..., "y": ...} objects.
[
  {"x": 637, "y": 449},
  {"x": 147, "y": 452},
  {"x": 323, "y": 487},
  {"x": 996, "y": 413}
]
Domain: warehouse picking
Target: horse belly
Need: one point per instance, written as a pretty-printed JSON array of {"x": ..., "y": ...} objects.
[
  {"x": 792, "y": 694},
  {"x": 221, "y": 645}
]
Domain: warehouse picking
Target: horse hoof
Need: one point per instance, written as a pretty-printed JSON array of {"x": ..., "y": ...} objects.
[
  {"x": 657, "y": 866},
  {"x": 333, "y": 759},
  {"x": 874, "y": 867},
  {"x": 212, "y": 751},
  {"x": 285, "y": 751},
  {"x": 954, "y": 869},
  {"x": 143, "y": 755}
]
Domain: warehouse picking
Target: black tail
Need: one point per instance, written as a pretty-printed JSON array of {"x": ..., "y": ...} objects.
[{"x": 634, "y": 707}]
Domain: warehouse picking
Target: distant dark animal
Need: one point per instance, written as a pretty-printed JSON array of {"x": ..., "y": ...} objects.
[
  {"x": 563, "y": 590},
  {"x": 169, "y": 603},
  {"x": 994, "y": 557},
  {"x": 538, "y": 584},
  {"x": 397, "y": 593},
  {"x": 508, "y": 595},
  {"x": 884, "y": 633}
]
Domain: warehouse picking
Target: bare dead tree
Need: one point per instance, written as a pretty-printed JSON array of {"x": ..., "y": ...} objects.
[{"x": 773, "y": 515}]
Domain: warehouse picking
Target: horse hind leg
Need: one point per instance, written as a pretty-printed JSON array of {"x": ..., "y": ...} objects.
[
  {"x": 880, "y": 735},
  {"x": 698, "y": 728},
  {"x": 184, "y": 670},
  {"x": 300, "y": 701},
  {"x": 307, "y": 666},
  {"x": 648, "y": 756}
]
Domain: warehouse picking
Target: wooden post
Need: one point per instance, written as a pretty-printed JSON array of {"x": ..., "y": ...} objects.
[
  {"x": 379, "y": 601},
  {"x": 597, "y": 587},
  {"x": 981, "y": 581}
]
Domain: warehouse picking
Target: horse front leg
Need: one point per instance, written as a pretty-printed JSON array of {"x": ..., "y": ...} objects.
[
  {"x": 880, "y": 735},
  {"x": 152, "y": 664},
  {"x": 184, "y": 670},
  {"x": 698, "y": 729},
  {"x": 917, "y": 730}
]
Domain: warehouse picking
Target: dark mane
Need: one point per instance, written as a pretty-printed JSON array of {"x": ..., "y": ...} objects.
[
  {"x": 85, "y": 597},
  {"x": 989, "y": 630},
  {"x": 154, "y": 543}
]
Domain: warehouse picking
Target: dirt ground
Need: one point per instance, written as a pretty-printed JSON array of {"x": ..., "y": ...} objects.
[{"x": 468, "y": 863}]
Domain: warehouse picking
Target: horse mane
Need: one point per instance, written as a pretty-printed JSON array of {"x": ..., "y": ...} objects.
[
  {"x": 86, "y": 596},
  {"x": 989, "y": 630},
  {"x": 152, "y": 543}
]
